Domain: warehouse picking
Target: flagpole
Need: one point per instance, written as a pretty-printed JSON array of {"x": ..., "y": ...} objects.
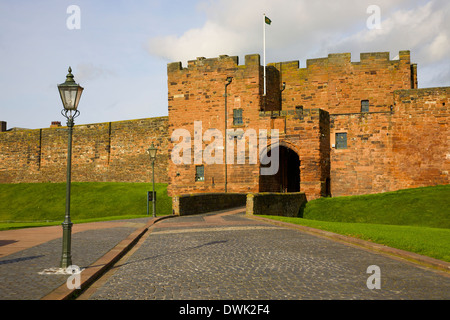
[{"x": 264, "y": 50}]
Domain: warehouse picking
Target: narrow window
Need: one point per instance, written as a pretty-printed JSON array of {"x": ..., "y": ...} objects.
[
  {"x": 364, "y": 105},
  {"x": 237, "y": 116},
  {"x": 341, "y": 140},
  {"x": 299, "y": 110},
  {"x": 199, "y": 173}
]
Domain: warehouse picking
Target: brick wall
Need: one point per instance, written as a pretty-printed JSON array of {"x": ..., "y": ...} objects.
[{"x": 112, "y": 151}]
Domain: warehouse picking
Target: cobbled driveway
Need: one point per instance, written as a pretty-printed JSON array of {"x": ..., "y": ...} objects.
[{"x": 230, "y": 256}]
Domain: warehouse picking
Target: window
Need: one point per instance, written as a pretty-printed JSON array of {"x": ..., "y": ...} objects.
[
  {"x": 364, "y": 105},
  {"x": 199, "y": 173},
  {"x": 341, "y": 140},
  {"x": 299, "y": 110},
  {"x": 237, "y": 116}
]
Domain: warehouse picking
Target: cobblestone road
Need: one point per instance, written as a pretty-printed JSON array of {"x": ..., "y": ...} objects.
[
  {"x": 233, "y": 257},
  {"x": 21, "y": 275}
]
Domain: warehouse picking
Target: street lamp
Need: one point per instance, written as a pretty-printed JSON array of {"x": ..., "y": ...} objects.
[
  {"x": 152, "y": 152},
  {"x": 70, "y": 93},
  {"x": 227, "y": 83}
]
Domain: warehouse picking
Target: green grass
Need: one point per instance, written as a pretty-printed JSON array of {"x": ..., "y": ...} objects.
[
  {"x": 415, "y": 220},
  {"x": 33, "y": 204},
  {"x": 426, "y": 207}
]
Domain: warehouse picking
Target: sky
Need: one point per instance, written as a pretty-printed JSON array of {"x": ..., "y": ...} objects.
[{"x": 119, "y": 50}]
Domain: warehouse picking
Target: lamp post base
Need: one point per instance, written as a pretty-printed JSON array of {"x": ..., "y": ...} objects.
[{"x": 66, "y": 258}]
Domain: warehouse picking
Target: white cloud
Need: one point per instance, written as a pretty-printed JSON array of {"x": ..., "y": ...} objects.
[
  {"x": 211, "y": 40},
  {"x": 303, "y": 29},
  {"x": 440, "y": 47}
]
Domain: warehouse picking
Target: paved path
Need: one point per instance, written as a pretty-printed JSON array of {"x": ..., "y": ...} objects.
[
  {"x": 12, "y": 241},
  {"x": 26, "y": 253},
  {"x": 229, "y": 256},
  {"x": 210, "y": 256}
]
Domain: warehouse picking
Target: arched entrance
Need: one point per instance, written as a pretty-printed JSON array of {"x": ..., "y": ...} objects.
[{"x": 287, "y": 178}]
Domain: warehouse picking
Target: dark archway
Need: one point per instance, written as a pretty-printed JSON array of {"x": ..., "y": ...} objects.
[{"x": 287, "y": 178}]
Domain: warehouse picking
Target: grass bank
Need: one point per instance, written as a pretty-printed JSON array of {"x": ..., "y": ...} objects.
[
  {"x": 425, "y": 207},
  {"x": 33, "y": 204},
  {"x": 415, "y": 220}
]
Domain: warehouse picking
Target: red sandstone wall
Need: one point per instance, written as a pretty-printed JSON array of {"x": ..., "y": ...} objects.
[
  {"x": 421, "y": 138},
  {"x": 19, "y": 154},
  {"x": 387, "y": 151},
  {"x": 113, "y": 151},
  {"x": 366, "y": 165},
  {"x": 338, "y": 85},
  {"x": 196, "y": 93}
]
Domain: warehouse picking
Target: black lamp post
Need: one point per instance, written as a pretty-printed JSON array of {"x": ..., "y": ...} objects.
[
  {"x": 70, "y": 93},
  {"x": 227, "y": 83},
  {"x": 152, "y": 152}
]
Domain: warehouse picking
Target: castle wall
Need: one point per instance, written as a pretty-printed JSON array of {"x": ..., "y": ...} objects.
[
  {"x": 112, "y": 151},
  {"x": 338, "y": 85},
  {"x": 421, "y": 137},
  {"x": 196, "y": 93},
  {"x": 387, "y": 151},
  {"x": 307, "y": 133},
  {"x": 365, "y": 166},
  {"x": 402, "y": 142}
]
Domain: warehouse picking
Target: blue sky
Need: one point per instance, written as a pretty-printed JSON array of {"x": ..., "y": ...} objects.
[{"x": 120, "y": 53}]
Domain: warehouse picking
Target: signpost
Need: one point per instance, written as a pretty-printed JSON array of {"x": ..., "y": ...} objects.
[{"x": 150, "y": 199}]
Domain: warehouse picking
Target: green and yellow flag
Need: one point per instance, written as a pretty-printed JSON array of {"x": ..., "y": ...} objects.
[{"x": 267, "y": 20}]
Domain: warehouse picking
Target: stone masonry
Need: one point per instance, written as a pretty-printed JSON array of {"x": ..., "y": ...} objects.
[{"x": 345, "y": 128}]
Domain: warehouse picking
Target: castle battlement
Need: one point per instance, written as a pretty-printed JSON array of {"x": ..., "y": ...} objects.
[
  {"x": 338, "y": 59},
  {"x": 210, "y": 64}
]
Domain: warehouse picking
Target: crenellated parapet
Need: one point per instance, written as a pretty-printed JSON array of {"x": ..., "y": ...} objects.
[
  {"x": 214, "y": 64},
  {"x": 339, "y": 85}
]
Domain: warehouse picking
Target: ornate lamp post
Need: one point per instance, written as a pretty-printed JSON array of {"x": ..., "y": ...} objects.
[
  {"x": 70, "y": 93},
  {"x": 152, "y": 152}
]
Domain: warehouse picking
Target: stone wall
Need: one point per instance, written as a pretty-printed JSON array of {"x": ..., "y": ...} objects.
[
  {"x": 421, "y": 138},
  {"x": 364, "y": 166},
  {"x": 111, "y": 151},
  {"x": 306, "y": 132},
  {"x": 206, "y": 202},
  {"x": 275, "y": 204},
  {"x": 401, "y": 142},
  {"x": 337, "y": 85},
  {"x": 196, "y": 95},
  {"x": 407, "y": 147}
]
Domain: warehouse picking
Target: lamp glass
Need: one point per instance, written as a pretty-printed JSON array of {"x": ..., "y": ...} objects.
[
  {"x": 152, "y": 152},
  {"x": 70, "y": 92},
  {"x": 70, "y": 96}
]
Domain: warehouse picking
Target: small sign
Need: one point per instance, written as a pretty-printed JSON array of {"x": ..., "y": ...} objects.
[{"x": 150, "y": 195}]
